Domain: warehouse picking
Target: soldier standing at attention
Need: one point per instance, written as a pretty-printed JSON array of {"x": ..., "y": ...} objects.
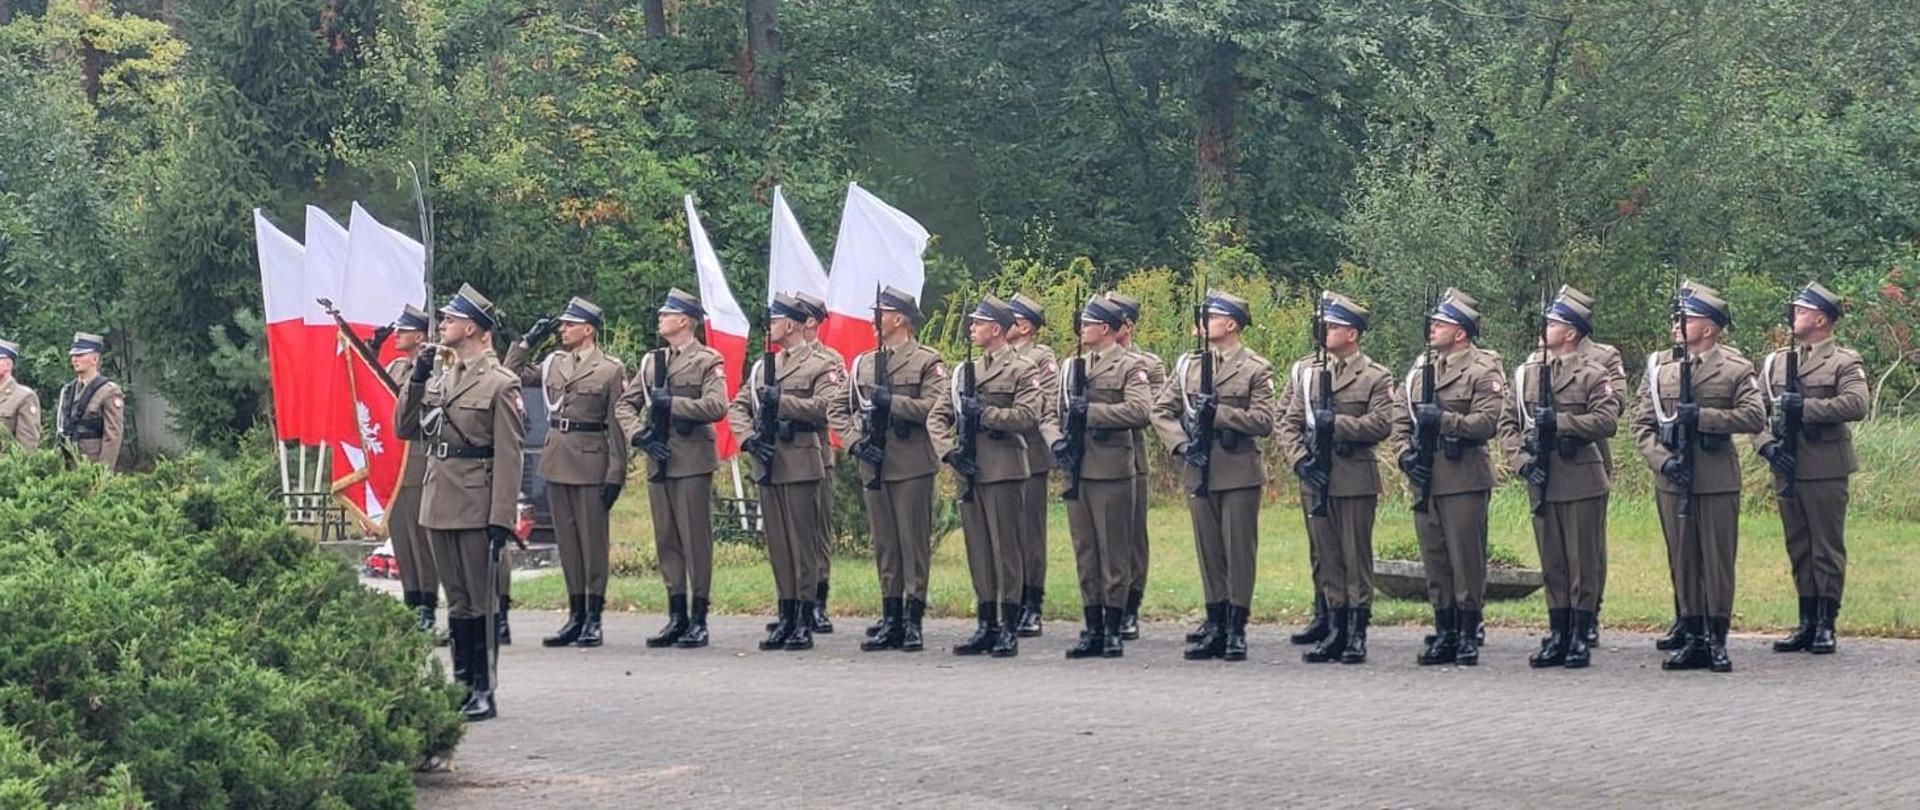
[
  {"x": 816, "y": 310},
  {"x": 585, "y": 460},
  {"x": 1555, "y": 443},
  {"x": 668, "y": 410},
  {"x": 92, "y": 412},
  {"x": 412, "y": 553},
  {"x": 1686, "y": 438},
  {"x": 470, "y": 417},
  {"x": 900, "y": 508},
  {"x": 1359, "y": 415},
  {"x": 1225, "y": 503},
  {"x": 1462, "y": 413},
  {"x": 1609, "y": 357},
  {"x": 991, "y": 420},
  {"x": 789, "y": 464},
  {"x": 1028, "y": 318},
  {"x": 1811, "y": 468},
  {"x": 1137, "y": 557},
  {"x": 19, "y": 405}
]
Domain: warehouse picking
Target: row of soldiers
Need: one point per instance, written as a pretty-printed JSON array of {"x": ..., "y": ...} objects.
[{"x": 90, "y": 414}]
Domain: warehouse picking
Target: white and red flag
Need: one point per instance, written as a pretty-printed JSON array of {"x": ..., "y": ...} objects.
[
  {"x": 386, "y": 271},
  {"x": 323, "y": 383},
  {"x": 878, "y": 245},
  {"x": 726, "y": 325},
  {"x": 282, "y": 263},
  {"x": 792, "y": 266}
]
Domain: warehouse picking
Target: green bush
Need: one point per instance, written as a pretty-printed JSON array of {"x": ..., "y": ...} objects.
[{"x": 169, "y": 641}]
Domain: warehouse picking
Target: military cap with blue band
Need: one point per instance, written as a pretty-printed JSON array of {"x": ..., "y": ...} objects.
[
  {"x": 84, "y": 343},
  {"x": 580, "y": 310},
  {"x": 993, "y": 309},
  {"x": 1813, "y": 296},
  {"x": 680, "y": 302},
  {"x": 1340, "y": 310},
  {"x": 1104, "y": 312},
  {"x": 468, "y": 303},
  {"x": 784, "y": 306},
  {"x": 1459, "y": 313},
  {"x": 10, "y": 351},
  {"x": 1698, "y": 301},
  {"x": 816, "y": 308},
  {"x": 1129, "y": 307},
  {"x": 1232, "y": 306},
  {"x": 899, "y": 300},
  {"x": 1572, "y": 313},
  {"x": 1024, "y": 307},
  {"x": 412, "y": 319}
]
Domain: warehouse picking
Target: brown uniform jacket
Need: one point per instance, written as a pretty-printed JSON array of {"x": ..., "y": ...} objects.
[
  {"x": 919, "y": 379},
  {"x": 808, "y": 381},
  {"x": 840, "y": 424},
  {"x": 1119, "y": 402},
  {"x": 1833, "y": 385},
  {"x": 109, "y": 405},
  {"x": 1468, "y": 388},
  {"x": 697, "y": 378},
  {"x": 401, "y": 370},
  {"x": 19, "y": 416},
  {"x": 1243, "y": 383},
  {"x": 1729, "y": 400},
  {"x": 1009, "y": 389},
  {"x": 580, "y": 388},
  {"x": 1156, "y": 369},
  {"x": 1587, "y": 413},
  {"x": 1039, "y": 454},
  {"x": 1364, "y": 410},
  {"x": 475, "y": 406}
]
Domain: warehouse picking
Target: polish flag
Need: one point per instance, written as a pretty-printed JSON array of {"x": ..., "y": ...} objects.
[
  {"x": 282, "y": 262},
  {"x": 878, "y": 244},
  {"x": 386, "y": 270},
  {"x": 726, "y": 324},
  {"x": 792, "y": 266},
  {"x": 325, "y": 277}
]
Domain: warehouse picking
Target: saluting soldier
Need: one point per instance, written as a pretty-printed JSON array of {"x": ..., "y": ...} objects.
[
  {"x": 681, "y": 458},
  {"x": 19, "y": 405},
  {"x": 900, "y": 511},
  {"x": 92, "y": 412},
  {"x": 816, "y": 310},
  {"x": 1360, "y": 415},
  {"x": 470, "y": 417},
  {"x": 412, "y": 553},
  {"x": 1699, "y": 502},
  {"x": 805, "y": 382},
  {"x": 1113, "y": 405},
  {"x": 1028, "y": 318},
  {"x": 1005, "y": 404},
  {"x": 1811, "y": 472},
  {"x": 585, "y": 459},
  {"x": 1137, "y": 557},
  {"x": 1463, "y": 414},
  {"x": 1609, "y": 358},
  {"x": 1580, "y": 414},
  {"x": 1225, "y": 506}
]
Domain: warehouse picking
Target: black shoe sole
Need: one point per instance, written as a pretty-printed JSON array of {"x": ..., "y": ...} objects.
[
  {"x": 1822, "y": 650},
  {"x": 689, "y": 645},
  {"x": 1346, "y": 659},
  {"x": 558, "y": 642},
  {"x": 792, "y": 647},
  {"x": 1577, "y": 663},
  {"x": 589, "y": 644}
]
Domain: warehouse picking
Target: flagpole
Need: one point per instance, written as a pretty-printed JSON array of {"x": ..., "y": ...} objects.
[
  {"x": 286, "y": 489},
  {"x": 740, "y": 495}
]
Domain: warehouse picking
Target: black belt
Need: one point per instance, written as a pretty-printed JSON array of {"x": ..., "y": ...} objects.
[
  {"x": 576, "y": 426},
  {"x": 801, "y": 427},
  {"x": 84, "y": 433},
  {"x": 446, "y": 450}
]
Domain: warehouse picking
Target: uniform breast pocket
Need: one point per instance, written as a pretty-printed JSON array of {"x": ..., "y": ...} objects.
[{"x": 1457, "y": 404}]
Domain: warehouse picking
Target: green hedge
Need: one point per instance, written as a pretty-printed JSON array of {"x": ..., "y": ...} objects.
[{"x": 168, "y": 641}]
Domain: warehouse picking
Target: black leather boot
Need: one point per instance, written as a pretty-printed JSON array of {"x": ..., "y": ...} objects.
[
  {"x": 1233, "y": 646},
  {"x": 676, "y": 622},
  {"x": 1445, "y": 644},
  {"x": 1593, "y": 626},
  {"x": 886, "y": 635},
  {"x": 480, "y": 703},
  {"x": 782, "y": 627},
  {"x": 1676, "y": 636},
  {"x": 1332, "y": 643},
  {"x": 569, "y": 632},
  {"x": 1358, "y": 620},
  {"x": 1579, "y": 652},
  {"x": 1007, "y": 642},
  {"x": 1693, "y": 652},
  {"x": 696, "y": 634},
  {"x": 1114, "y": 623},
  {"x": 1471, "y": 630},
  {"x": 1211, "y": 640},
  {"x": 590, "y": 630},
  {"x": 1717, "y": 659},
  {"x": 1553, "y": 648},
  {"x": 1029, "y": 621},
  {"x": 984, "y": 634},
  {"x": 821, "y": 624},
  {"x": 1316, "y": 630},
  {"x": 500, "y": 622},
  {"x": 1093, "y": 638},
  {"x": 1825, "y": 611},
  {"x": 1210, "y": 625},
  {"x": 1130, "y": 618},
  {"x": 1802, "y": 635},
  {"x": 802, "y": 636},
  {"x": 910, "y": 638},
  {"x": 457, "y": 648},
  {"x": 426, "y": 621}
]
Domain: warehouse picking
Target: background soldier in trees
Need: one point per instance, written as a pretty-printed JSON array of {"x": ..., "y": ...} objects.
[
  {"x": 92, "y": 413},
  {"x": 1028, "y": 318},
  {"x": 19, "y": 405},
  {"x": 1142, "y": 489}
]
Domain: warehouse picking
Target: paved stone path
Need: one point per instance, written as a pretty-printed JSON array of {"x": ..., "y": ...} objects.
[{"x": 730, "y": 726}]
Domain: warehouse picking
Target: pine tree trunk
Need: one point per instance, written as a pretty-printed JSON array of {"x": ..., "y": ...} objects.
[
  {"x": 760, "y": 65},
  {"x": 1213, "y": 137},
  {"x": 656, "y": 18}
]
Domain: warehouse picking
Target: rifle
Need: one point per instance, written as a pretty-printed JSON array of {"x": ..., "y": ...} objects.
[
  {"x": 1424, "y": 441},
  {"x": 659, "y": 419},
  {"x": 766, "y": 418},
  {"x": 360, "y": 347},
  {"x": 876, "y": 419},
  {"x": 1073, "y": 388},
  {"x": 1322, "y": 450},
  {"x": 1200, "y": 420},
  {"x": 1682, "y": 438},
  {"x": 967, "y": 445},
  {"x": 1544, "y": 439},
  {"x": 1787, "y": 426}
]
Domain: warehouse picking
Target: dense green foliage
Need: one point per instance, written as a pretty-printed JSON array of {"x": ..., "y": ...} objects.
[
  {"x": 1490, "y": 144},
  {"x": 168, "y": 640}
]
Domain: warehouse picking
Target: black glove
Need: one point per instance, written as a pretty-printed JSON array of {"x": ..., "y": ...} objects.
[
  {"x": 1059, "y": 448},
  {"x": 1426, "y": 416},
  {"x": 1194, "y": 456},
  {"x": 542, "y": 329},
  {"x": 1546, "y": 420},
  {"x": 1534, "y": 473},
  {"x": 1676, "y": 472},
  {"x": 659, "y": 397},
  {"x": 609, "y": 494},
  {"x": 1311, "y": 474},
  {"x": 972, "y": 407},
  {"x": 1076, "y": 406},
  {"x": 1688, "y": 413},
  {"x": 1793, "y": 405},
  {"x": 659, "y": 451},
  {"x": 423, "y": 364},
  {"x": 1323, "y": 417},
  {"x": 1410, "y": 466},
  {"x": 868, "y": 452},
  {"x": 1205, "y": 404},
  {"x": 882, "y": 398},
  {"x": 1779, "y": 458},
  {"x": 962, "y": 465},
  {"x": 380, "y": 336},
  {"x": 768, "y": 395},
  {"x": 497, "y": 537}
]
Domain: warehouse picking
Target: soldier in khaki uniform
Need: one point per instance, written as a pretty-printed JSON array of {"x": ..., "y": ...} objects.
[
  {"x": 681, "y": 458},
  {"x": 816, "y": 310},
  {"x": 469, "y": 416},
  {"x": 1464, "y": 414},
  {"x": 1360, "y": 415},
  {"x": 1580, "y": 414},
  {"x": 91, "y": 416},
  {"x": 1005, "y": 404},
  {"x": 1701, "y": 543},
  {"x": 1113, "y": 404},
  {"x": 790, "y": 473},
  {"x": 585, "y": 459},
  {"x": 1142, "y": 488},
  {"x": 1028, "y": 318},
  {"x": 900, "y": 510},
  {"x": 1225, "y": 506},
  {"x": 19, "y": 405},
  {"x": 412, "y": 553},
  {"x": 1609, "y": 358},
  {"x": 1813, "y": 510}
]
